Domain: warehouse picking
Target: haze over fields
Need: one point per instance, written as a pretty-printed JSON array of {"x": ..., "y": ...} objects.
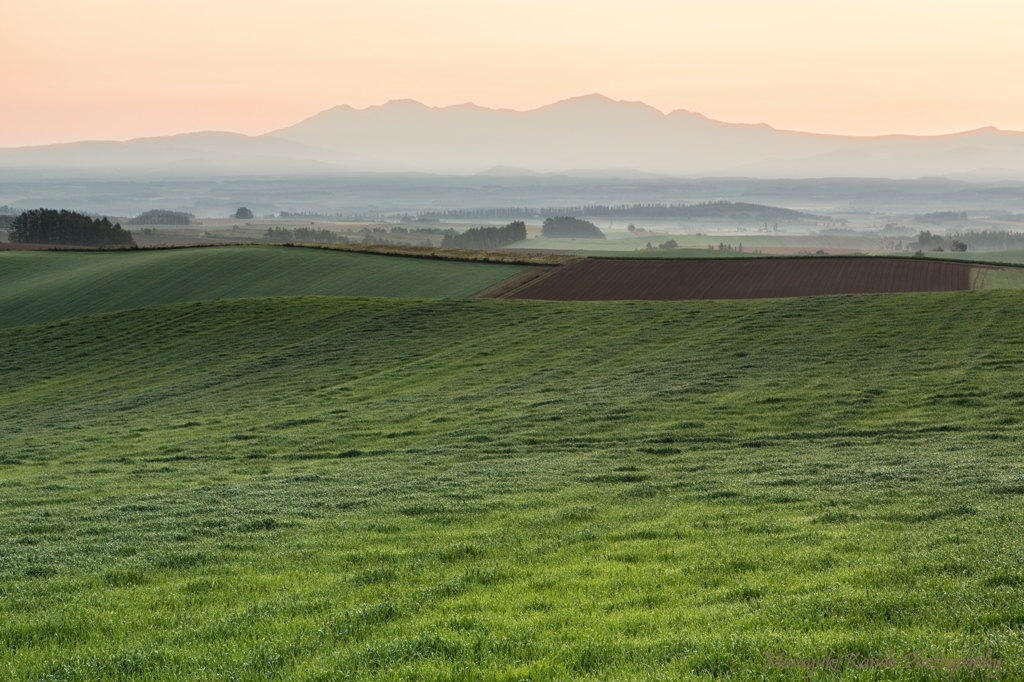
[{"x": 590, "y": 136}]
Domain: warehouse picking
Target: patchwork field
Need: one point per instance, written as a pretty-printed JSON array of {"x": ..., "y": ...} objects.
[
  {"x": 604, "y": 280},
  {"x": 774, "y": 242},
  {"x": 327, "y": 488},
  {"x": 38, "y": 286}
]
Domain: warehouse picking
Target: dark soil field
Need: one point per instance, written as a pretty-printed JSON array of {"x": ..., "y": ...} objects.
[{"x": 607, "y": 280}]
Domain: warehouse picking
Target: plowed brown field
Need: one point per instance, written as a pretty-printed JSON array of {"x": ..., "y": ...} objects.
[{"x": 612, "y": 280}]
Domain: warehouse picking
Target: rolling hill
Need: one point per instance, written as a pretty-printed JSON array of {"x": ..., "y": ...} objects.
[
  {"x": 314, "y": 488},
  {"x": 38, "y": 286}
]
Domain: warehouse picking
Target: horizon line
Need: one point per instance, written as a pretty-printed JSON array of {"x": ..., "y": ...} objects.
[{"x": 576, "y": 98}]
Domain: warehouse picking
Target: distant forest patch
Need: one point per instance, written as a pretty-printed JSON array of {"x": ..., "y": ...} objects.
[
  {"x": 305, "y": 235},
  {"x": 990, "y": 240},
  {"x": 566, "y": 227},
  {"x": 481, "y": 238},
  {"x": 161, "y": 217},
  {"x": 710, "y": 210},
  {"x": 984, "y": 240},
  {"x": 46, "y": 226},
  {"x": 942, "y": 218}
]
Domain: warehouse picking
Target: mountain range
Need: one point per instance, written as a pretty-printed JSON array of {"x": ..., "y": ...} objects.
[{"x": 590, "y": 136}]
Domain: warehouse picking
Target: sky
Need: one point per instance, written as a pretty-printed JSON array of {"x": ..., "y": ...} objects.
[{"x": 118, "y": 69}]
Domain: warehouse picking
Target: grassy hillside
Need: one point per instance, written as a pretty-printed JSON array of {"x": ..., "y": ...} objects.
[
  {"x": 37, "y": 286},
  {"x": 322, "y": 488}
]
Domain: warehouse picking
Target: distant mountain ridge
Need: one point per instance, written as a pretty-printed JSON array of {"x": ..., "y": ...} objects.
[{"x": 590, "y": 136}]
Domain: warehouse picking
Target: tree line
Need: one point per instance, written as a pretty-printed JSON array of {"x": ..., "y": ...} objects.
[
  {"x": 991, "y": 240},
  {"x": 48, "y": 226},
  {"x": 983, "y": 240},
  {"x": 709, "y": 210},
  {"x": 942, "y": 217},
  {"x": 482, "y": 238},
  {"x": 307, "y": 235}
]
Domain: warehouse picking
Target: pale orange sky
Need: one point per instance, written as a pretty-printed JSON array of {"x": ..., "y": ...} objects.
[{"x": 117, "y": 69}]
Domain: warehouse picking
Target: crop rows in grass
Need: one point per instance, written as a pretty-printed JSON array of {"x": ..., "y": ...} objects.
[
  {"x": 320, "y": 489},
  {"x": 37, "y": 286}
]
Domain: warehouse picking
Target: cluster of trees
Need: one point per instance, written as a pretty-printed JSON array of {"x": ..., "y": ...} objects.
[
  {"x": 7, "y": 215},
  {"x": 711, "y": 210},
  {"x": 926, "y": 241},
  {"x": 670, "y": 244},
  {"x": 306, "y": 235},
  {"x": 243, "y": 214},
  {"x": 486, "y": 237},
  {"x": 990, "y": 240},
  {"x": 161, "y": 217},
  {"x": 47, "y": 226},
  {"x": 942, "y": 217},
  {"x": 566, "y": 227}
]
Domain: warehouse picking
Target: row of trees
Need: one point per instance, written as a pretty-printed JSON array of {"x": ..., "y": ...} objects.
[
  {"x": 942, "y": 217},
  {"x": 566, "y": 227},
  {"x": 306, "y": 235},
  {"x": 486, "y": 237},
  {"x": 47, "y": 226},
  {"x": 710, "y": 210},
  {"x": 984, "y": 240},
  {"x": 990, "y": 240}
]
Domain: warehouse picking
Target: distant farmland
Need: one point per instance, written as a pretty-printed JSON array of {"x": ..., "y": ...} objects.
[
  {"x": 38, "y": 286},
  {"x": 610, "y": 280}
]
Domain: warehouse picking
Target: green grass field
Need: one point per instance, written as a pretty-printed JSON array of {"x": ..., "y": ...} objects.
[
  {"x": 38, "y": 286},
  {"x": 327, "y": 489}
]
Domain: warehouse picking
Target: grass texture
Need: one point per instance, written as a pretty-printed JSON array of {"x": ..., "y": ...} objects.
[
  {"x": 39, "y": 286},
  {"x": 330, "y": 489}
]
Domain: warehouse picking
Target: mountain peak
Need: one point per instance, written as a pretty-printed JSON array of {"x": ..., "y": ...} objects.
[{"x": 596, "y": 101}]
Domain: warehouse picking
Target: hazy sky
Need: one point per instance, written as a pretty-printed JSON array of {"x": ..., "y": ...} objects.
[{"x": 116, "y": 69}]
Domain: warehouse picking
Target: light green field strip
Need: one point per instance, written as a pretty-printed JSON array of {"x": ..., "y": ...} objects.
[
  {"x": 991, "y": 278},
  {"x": 673, "y": 254},
  {"x": 339, "y": 488},
  {"x": 37, "y": 286},
  {"x": 628, "y": 244},
  {"x": 1010, "y": 257}
]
